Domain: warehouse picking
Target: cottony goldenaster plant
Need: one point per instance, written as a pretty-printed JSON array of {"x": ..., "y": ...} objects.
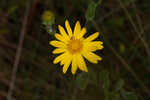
[{"x": 73, "y": 47}]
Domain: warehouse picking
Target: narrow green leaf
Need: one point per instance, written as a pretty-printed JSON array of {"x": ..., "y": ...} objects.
[
  {"x": 128, "y": 1},
  {"x": 12, "y": 9},
  {"x": 119, "y": 85},
  {"x": 82, "y": 80},
  {"x": 90, "y": 13},
  {"x": 114, "y": 96},
  {"x": 3, "y": 31},
  {"x": 104, "y": 79},
  {"x": 129, "y": 95},
  {"x": 99, "y": 2},
  {"x": 122, "y": 48},
  {"x": 92, "y": 77},
  {"x": 116, "y": 22}
]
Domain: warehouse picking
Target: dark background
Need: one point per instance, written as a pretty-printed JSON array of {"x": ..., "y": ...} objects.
[{"x": 123, "y": 74}]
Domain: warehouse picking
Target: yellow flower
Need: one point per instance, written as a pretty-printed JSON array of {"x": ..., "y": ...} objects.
[
  {"x": 48, "y": 16},
  {"x": 73, "y": 47}
]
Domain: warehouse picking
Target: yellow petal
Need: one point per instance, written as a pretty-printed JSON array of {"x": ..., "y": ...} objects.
[
  {"x": 66, "y": 58},
  {"x": 60, "y": 38},
  {"x": 81, "y": 33},
  {"x": 60, "y": 57},
  {"x": 69, "y": 30},
  {"x": 81, "y": 63},
  {"x": 93, "y": 58},
  {"x": 59, "y": 50},
  {"x": 93, "y": 46},
  {"x": 57, "y": 44},
  {"x": 67, "y": 63},
  {"x": 74, "y": 65},
  {"x": 77, "y": 29},
  {"x": 92, "y": 37},
  {"x": 63, "y": 33}
]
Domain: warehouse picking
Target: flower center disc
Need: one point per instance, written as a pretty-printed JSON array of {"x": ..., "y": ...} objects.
[{"x": 75, "y": 46}]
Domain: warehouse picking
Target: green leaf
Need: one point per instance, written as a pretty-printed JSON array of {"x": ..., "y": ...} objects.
[
  {"x": 122, "y": 48},
  {"x": 104, "y": 79},
  {"x": 119, "y": 85},
  {"x": 128, "y": 1},
  {"x": 114, "y": 96},
  {"x": 99, "y": 2},
  {"x": 144, "y": 6},
  {"x": 129, "y": 95},
  {"x": 92, "y": 77},
  {"x": 116, "y": 22},
  {"x": 90, "y": 13},
  {"x": 82, "y": 80},
  {"x": 12, "y": 9},
  {"x": 3, "y": 31}
]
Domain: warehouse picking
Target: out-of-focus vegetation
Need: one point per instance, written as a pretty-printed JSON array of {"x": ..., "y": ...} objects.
[{"x": 123, "y": 74}]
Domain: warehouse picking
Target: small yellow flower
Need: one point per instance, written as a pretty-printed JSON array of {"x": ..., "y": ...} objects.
[
  {"x": 48, "y": 16},
  {"x": 74, "y": 47}
]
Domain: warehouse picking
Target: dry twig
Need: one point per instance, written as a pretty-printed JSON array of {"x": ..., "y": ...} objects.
[{"x": 19, "y": 49}]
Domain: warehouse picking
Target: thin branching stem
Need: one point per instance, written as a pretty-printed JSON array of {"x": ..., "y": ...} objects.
[
  {"x": 135, "y": 28},
  {"x": 18, "y": 52},
  {"x": 125, "y": 64}
]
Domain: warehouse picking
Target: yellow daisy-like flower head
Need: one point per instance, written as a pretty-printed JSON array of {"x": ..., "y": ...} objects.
[
  {"x": 48, "y": 16},
  {"x": 73, "y": 47}
]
